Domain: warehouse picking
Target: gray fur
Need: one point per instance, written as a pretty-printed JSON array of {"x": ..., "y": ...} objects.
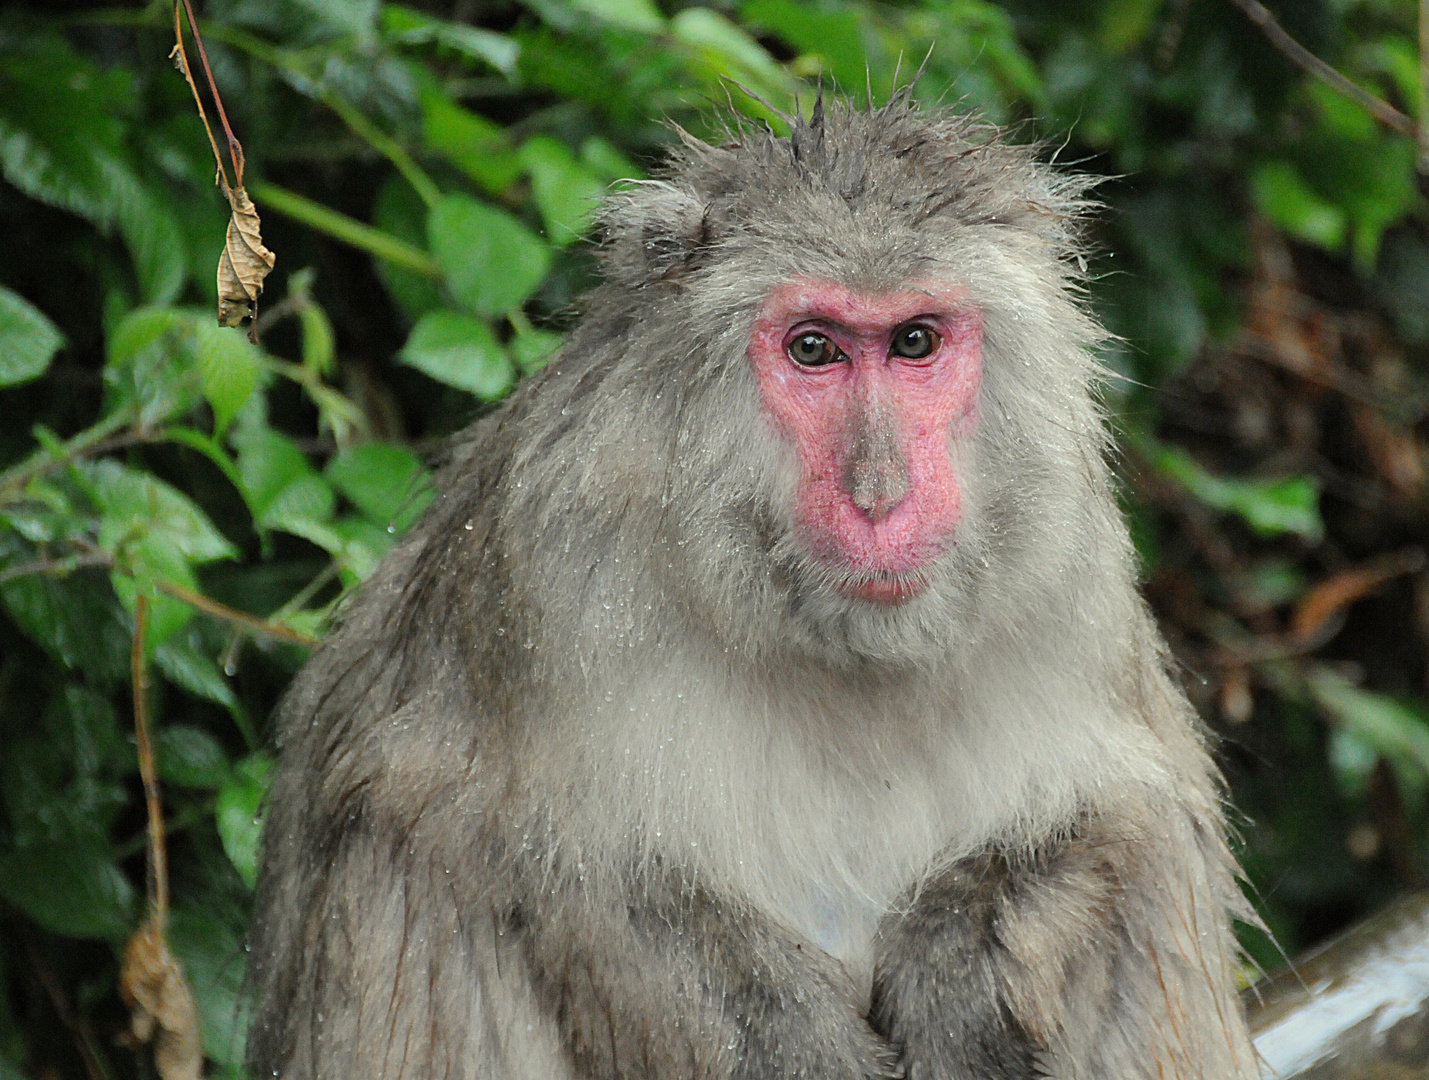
[{"x": 600, "y": 778}]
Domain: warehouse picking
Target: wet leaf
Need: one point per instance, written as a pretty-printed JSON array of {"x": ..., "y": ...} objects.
[
  {"x": 161, "y": 1005},
  {"x": 567, "y": 192},
  {"x": 190, "y": 757},
  {"x": 245, "y": 261},
  {"x": 386, "y": 482},
  {"x": 237, "y": 814}
]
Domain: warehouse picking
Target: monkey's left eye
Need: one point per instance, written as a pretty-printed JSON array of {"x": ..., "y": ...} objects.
[
  {"x": 813, "y": 350},
  {"x": 914, "y": 342}
]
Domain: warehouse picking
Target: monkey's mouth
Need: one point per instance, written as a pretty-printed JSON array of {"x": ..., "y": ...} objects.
[{"x": 885, "y": 588}]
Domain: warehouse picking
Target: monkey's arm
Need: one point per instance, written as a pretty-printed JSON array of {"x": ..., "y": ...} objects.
[
  {"x": 1104, "y": 955},
  {"x": 665, "y": 982}
]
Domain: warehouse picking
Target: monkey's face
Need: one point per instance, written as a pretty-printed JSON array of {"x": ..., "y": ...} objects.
[{"x": 869, "y": 389}]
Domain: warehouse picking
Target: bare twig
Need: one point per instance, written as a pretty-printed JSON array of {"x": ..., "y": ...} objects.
[
  {"x": 55, "y": 567},
  {"x": 1382, "y": 111},
  {"x": 148, "y": 770},
  {"x": 223, "y": 611},
  {"x": 94, "y": 1065},
  {"x": 235, "y": 148}
]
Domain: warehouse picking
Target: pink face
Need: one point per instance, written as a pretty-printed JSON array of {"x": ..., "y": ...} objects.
[{"x": 868, "y": 388}]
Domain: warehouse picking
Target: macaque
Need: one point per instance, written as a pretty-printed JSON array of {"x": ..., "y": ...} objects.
[{"x": 767, "y": 694}]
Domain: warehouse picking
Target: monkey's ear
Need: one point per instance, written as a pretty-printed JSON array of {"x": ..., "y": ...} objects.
[{"x": 653, "y": 232}]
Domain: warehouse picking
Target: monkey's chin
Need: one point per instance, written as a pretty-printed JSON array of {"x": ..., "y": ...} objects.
[{"x": 886, "y": 590}]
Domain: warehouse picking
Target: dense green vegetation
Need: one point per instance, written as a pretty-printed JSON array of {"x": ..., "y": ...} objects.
[{"x": 425, "y": 173}]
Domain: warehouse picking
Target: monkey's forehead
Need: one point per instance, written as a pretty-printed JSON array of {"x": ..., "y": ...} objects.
[{"x": 882, "y": 193}]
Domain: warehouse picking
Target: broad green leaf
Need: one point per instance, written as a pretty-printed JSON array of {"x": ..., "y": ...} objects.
[
  {"x": 1269, "y": 507},
  {"x": 76, "y": 619},
  {"x": 190, "y": 757},
  {"x": 400, "y": 211},
  {"x": 136, "y": 504},
  {"x": 269, "y": 463},
  {"x": 566, "y": 191},
  {"x": 186, "y": 666},
  {"x": 329, "y": 18},
  {"x": 74, "y": 890},
  {"x": 411, "y": 27},
  {"x": 239, "y": 815},
  {"x": 58, "y": 131},
  {"x": 461, "y": 351},
  {"x": 384, "y": 481},
  {"x": 532, "y": 348},
  {"x": 1283, "y": 196},
  {"x": 731, "y": 53},
  {"x": 364, "y": 543},
  {"x": 230, "y": 369},
  {"x": 607, "y": 162},
  {"x": 308, "y": 499},
  {"x": 153, "y": 236},
  {"x": 492, "y": 263},
  {"x": 151, "y": 365},
  {"x": 28, "y": 340},
  {"x": 472, "y": 143},
  {"x": 834, "y": 36},
  {"x": 212, "y": 954},
  {"x": 639, "y": 15}
]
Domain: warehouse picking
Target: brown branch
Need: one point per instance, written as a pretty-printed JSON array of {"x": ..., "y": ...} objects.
[
  {"x": 1382, "y": 111},
  {"x": 235, "y": 148},
  {"x": 223, "y": 611},
  {"x": 148, "y": 770},
  {"x": 93, "y": 1065}
]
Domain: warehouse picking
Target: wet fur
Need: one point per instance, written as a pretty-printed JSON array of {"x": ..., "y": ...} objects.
[{"x": 600, "y": 778}]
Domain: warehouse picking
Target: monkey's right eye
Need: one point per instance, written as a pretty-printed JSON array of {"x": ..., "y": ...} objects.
[{"x": 813, "y": 350}]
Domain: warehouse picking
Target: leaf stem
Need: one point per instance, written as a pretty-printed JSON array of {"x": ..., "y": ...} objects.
[
  {"x": 349, "y": 230},
  {"x": 223, "y": 611}
]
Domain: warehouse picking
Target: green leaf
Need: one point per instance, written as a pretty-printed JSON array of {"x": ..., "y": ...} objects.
[
  {"x": 71, "y": 889},
  {"x": 239, "y": 816},
  {"x": 567, "y": 192},
  {"x": 136, "y": 504},
  {"x": 384, "y": 481},
  {"x": 307, "y": 499},
  {"x": 229, "y": 371},
  {"x": 153, "y": 236},
  {"x": 532, "y": 348},
  {"x": 639, "y": 15},
  {"x": 190, "y": 757},
  {"x": 409, "y": 27},
  {"x": 491, "y": 261},
  {"x": 461, "y": 351},
  {"x": 472, "y": 143},
  {"x": 151, "y": 365},
  {"x": 730, "y": 53},
  {"x": 319, "y": 343},
  {"x": 211, "y": 952},
  {"x": 399, "y": 210},
  {"x": 28, "y": 340},
  {"x": 1283, "y": 196},
  {"x": 1395, "y": 730},
  {"x": 184, "y": 665},
  {"x": 271, "y": 463},
  {"x": 834, "y": 37},
  {"x": 76, "y": 619},
  {"x": 1270, "y": 507}
]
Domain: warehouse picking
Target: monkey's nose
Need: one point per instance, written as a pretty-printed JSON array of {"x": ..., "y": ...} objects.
[{"x": 878, "y": 486}]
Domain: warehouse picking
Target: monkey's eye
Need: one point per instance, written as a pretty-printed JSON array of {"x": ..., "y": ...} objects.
[
  {"x": 914, "y": 342},
  {"x": 813, "y": 350}
]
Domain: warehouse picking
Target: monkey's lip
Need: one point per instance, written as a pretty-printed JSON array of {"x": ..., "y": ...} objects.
[{"x": 887, "y": 589}]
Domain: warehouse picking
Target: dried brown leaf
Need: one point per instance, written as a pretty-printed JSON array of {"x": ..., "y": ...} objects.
[
  {"x": 245, "y": 262},
  {"x": 161, "y": 1005}
]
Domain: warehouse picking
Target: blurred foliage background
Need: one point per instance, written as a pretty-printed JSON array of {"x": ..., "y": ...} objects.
[{"x": 425, "y": 172}]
